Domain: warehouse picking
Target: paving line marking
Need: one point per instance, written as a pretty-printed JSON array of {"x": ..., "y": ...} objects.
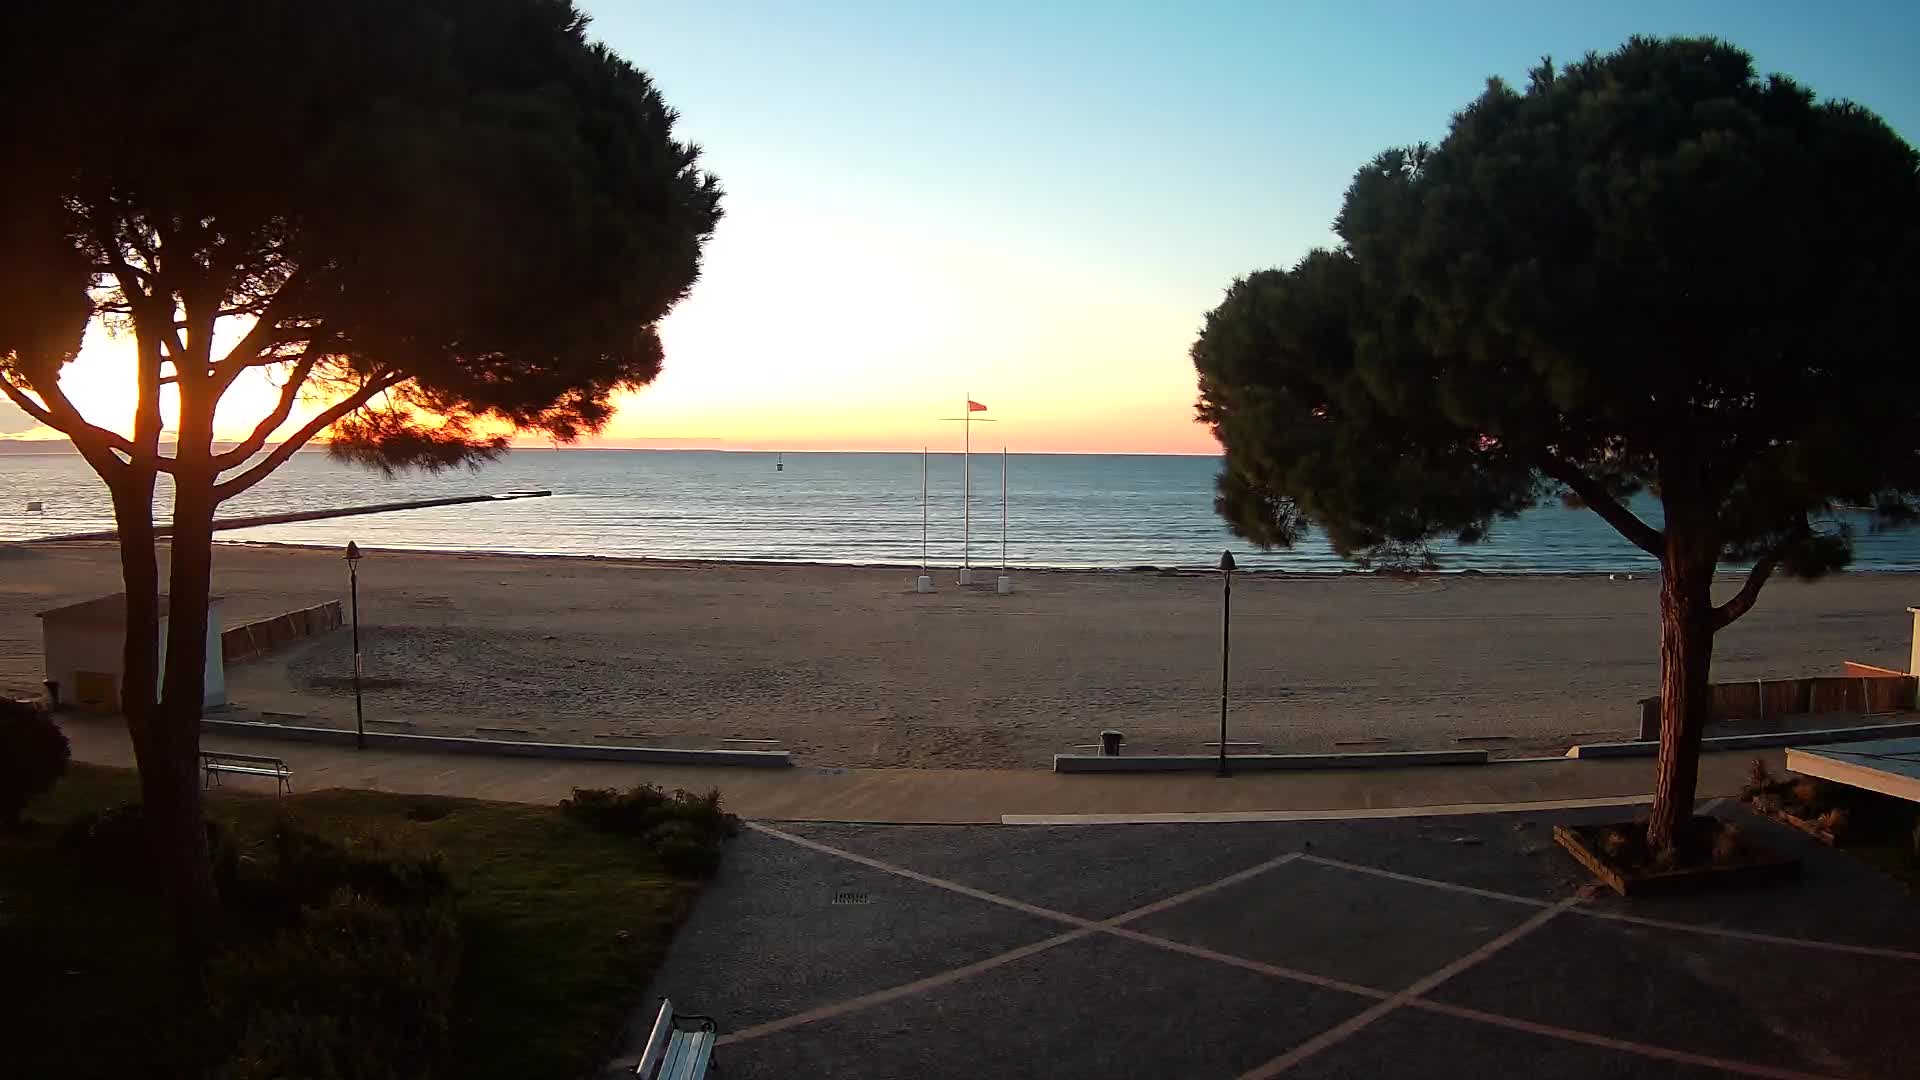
[
  {"x": 1749, "y": 935},
  {"x": 1590, "y": 912},
  {"x": 1604, "y": 1042},
  {"x": 1114, "y": 927},
  {"x": 953, "y": 975},
  {"x": 1261, "y": 966},
  {"x": 1360, "y": 814},
  {"x": 893, "y": 993},
  {"x": 1431, "y": 883},
  {"x": 924, "y": 879},
  {"x": 1354, "y": 1024},
  {"x": 1177, "y": 899}
]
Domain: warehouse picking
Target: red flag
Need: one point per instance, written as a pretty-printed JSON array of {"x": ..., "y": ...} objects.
[{"x": 974, "y": 406}]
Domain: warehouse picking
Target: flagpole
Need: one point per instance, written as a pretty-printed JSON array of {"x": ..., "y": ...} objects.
[
  {"x": 966, "y": 492},
  {"x": 925, "y": 582},
  {"x": 1005, "y": 584}
]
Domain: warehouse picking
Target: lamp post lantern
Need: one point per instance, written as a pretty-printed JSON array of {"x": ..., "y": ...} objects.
[
  {"x": 1226, "y": 643},
  {"x": 353, "y": 587}
]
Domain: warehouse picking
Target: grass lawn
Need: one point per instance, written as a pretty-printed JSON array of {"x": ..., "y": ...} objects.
[{"x": 561, "y": 928}]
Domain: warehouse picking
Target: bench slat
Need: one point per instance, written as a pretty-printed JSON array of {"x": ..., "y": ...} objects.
[
  {"x": 657, "y": 1042},
  {"x": 688, "y": 1056},
  {"x": 258, "y": 759},
  {"x": 248, "y": 770}
]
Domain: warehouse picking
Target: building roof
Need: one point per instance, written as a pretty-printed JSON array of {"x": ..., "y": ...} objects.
[{"x": 104, "y": 610}]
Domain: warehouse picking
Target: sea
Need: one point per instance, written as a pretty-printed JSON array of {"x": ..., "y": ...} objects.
[{"x": 1107, "y": 511}]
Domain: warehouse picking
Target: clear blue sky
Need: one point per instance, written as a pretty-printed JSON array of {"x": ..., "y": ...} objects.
[
  {"x": 1190, "y": 133},
  {"x": 1100, "y": 162}
]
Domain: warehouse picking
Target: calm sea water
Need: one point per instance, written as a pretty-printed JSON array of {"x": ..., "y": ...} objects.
[{"x": 1063, "y": 511}]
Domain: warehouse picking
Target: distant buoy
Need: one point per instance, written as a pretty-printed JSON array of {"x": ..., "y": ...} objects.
[
  {"x": 35, "y": 507},
  {"x": 778, "y": 464}
]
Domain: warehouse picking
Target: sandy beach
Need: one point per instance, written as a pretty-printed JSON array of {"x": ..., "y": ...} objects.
[{"x": 848, "y": 666}]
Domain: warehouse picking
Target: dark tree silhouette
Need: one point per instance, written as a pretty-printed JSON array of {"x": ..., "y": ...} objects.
[
  {"x": 1650, "y": 270},
  {"x": 439, "y": 221}
]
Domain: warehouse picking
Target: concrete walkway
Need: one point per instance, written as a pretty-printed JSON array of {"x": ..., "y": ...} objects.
[
  {"x": 1445, "y": 947},
  {"x": 956, "y": 796}
]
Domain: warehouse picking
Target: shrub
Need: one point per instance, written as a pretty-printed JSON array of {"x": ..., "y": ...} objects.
[
  {"x": 33, "y": 757},
  {"x": 1759, "y": 780},
  {"x": 624, "y": 813},
  {"x": 686, "y": 832},
  {"x": 684, "y": 849},
  {"x": 356, "y": 989}
]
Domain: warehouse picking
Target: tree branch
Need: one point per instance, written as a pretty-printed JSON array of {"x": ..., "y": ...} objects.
[
  {"x": 379, "y": 384},
  {"x": 59, "y": 414},
  {"x": 1638, "y": 533},
  {"x": 264, "y": 430},
  {"x": 134, "y": 284},
  {"x": 1742, "y": 601},
  {"x": 263, "y": 335}
]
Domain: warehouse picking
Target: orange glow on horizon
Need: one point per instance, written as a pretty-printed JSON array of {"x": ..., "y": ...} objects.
[{"x": 810, "y": 331}]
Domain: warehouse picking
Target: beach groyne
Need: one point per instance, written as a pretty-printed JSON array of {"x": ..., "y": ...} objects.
[
  {"x": 256, "y": 639},
  {"x": 257, "y": 520}
]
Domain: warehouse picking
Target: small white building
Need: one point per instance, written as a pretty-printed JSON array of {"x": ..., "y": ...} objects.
[{"x": 84, "y": 643}]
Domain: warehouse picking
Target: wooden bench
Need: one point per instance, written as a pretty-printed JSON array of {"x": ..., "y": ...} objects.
[
  {"x": 213, "y": 763},
  {"x": 677, "y": 1053}
]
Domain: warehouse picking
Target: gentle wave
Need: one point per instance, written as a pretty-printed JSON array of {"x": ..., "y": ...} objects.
[{"x": 1077, "y": 511}]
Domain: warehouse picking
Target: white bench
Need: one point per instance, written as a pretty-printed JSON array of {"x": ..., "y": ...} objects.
[
  {"x": 213, "y": 763},
  {"x": 675, "y": 1053}
]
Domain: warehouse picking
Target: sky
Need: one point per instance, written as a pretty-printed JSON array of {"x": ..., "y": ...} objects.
[{"x": 1035, "y": 204}]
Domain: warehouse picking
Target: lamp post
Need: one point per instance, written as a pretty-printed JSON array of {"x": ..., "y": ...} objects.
[
  {"x": 353, "y": 587},
  {"x": 1226, "y": 642}
]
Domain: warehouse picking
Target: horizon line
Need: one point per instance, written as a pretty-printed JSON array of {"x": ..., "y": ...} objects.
[{"x": 64, "y": 446}]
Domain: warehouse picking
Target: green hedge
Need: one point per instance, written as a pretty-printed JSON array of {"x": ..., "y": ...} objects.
[{"x": 686, "y": 832}]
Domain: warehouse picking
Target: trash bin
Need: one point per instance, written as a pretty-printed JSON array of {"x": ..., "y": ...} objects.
[{"x": 1110, "y": 741}]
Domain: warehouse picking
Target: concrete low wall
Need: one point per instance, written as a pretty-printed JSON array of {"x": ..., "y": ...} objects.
[
  {"x": 1099, "y": 763},
  {"x": 447, "y": 744},
  {"x": 256, "y": 639},
  {"x": 1768, "y": 740}
]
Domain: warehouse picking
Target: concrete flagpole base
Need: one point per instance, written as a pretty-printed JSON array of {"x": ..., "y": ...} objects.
[
  {"x": 1004, "y": 585},
  {"x": 924, "y": 584},
  {"x": 966, "y": 576}
]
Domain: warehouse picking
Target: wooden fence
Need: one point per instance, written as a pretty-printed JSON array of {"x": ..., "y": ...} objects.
[
  {"x": 1863, "y": 689},
  {"x": 256, "y": 639}
]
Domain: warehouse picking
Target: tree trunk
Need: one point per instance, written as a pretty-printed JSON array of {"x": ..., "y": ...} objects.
[
  {"x": 174, "y": 804},
  {"x": 1686, "y": 660}
]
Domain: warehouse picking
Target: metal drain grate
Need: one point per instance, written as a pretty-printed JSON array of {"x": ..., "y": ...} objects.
[{"x": 852, "y": 896}]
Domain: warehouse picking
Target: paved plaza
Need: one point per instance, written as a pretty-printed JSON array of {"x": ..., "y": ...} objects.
[{"x": 1413, "y": 947}]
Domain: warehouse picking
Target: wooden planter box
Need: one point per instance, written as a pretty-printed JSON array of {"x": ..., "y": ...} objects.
[
  {"x": 1751, "y": 867},
  {"x": 1805, "y": 825}
]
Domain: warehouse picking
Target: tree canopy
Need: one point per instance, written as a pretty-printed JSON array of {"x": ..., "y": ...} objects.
[
  {"x": 437, "y": 221},
  {"x": 1652, "y": 268},
  {"x": 1649, "y": 270},
  {"x": 450, "y": 217}
]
